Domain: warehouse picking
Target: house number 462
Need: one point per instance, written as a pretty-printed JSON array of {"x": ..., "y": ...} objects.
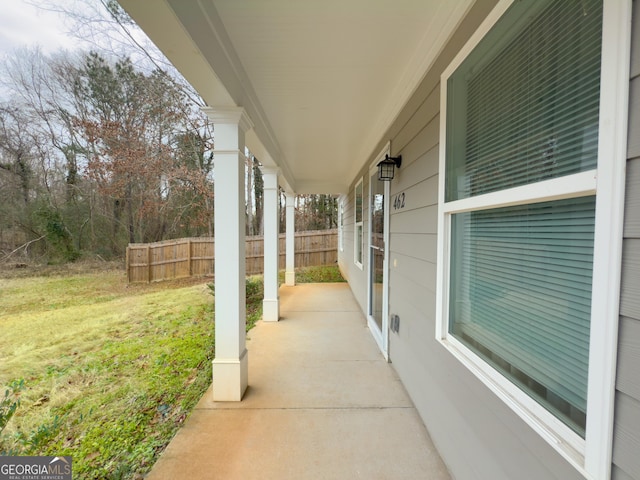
[{"x": 398, "y": 202}]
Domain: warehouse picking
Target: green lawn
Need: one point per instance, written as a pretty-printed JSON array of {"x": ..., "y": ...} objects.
[{"x": 110, "y": 370}]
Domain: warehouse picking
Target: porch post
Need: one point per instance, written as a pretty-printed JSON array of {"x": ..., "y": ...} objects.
[
  {"x": 271, "y": 303},
  {"x": 290, "y": 272},
  {"x": 230, "y": 366}
]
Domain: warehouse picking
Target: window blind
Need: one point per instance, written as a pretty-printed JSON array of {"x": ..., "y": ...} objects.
[
  {"x": 526, "y": 111},
  {"x": 521, "y": 296}
]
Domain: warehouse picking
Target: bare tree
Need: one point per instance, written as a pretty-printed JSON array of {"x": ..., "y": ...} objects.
[
  {"x": 115, "y": 147},
  {"x": 103, "y": 26}
]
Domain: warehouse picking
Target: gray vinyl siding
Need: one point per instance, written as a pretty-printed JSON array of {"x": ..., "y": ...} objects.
[
  {"x": 478, "y": 436},
  {"x": 626, "y": 434},
  {"x": 618, "y": 474}
]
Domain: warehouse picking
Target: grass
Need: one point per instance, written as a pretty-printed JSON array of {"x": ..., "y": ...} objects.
[{"x": 110, "y": 370}]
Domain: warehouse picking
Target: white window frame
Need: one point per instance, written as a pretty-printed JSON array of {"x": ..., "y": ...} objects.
[
  {"x": 358, "y": 225},
  {"x": 341, "y": 223},
  {"x": 591, "y": 456}
]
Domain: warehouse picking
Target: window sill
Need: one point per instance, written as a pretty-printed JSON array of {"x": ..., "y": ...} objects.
[{"x": 561, "y": 438}]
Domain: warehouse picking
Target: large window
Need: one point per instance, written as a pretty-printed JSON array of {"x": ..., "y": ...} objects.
[
  {"x": 358, "y": 233},
  {"x": 518, "y": 211}
]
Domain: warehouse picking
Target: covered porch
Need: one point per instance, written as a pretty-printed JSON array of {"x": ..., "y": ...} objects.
[
  {"x": 312, "y": 91},
  {"x": 308, "y": 394},
  {"x": 322, "y": 402}
]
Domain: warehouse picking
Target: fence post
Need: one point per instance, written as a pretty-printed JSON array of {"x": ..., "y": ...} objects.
[
  {"x": 148, "y": 263},
  {"x": 127, "y": 262},
  {"x": 189, "y": 256}
]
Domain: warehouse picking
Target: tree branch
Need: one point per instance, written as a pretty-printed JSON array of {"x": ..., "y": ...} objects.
[{"x": 25, "y": 246}]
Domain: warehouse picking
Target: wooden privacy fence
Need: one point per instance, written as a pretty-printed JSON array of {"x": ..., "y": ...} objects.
[{"x": 194, "y": 257}]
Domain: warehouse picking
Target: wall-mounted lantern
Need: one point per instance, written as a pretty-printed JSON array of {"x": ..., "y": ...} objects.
[{"x": 387, "y": 166}]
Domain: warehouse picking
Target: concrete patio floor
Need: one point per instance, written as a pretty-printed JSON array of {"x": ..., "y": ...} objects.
[{"x": 322, "y": 403}]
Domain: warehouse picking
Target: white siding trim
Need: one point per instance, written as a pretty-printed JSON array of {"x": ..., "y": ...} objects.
[{"x": 607, "y": 261}]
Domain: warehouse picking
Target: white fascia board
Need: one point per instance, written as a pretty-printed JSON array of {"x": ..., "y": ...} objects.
[
  {"x": 159, "y": 21},
  {"x": 192, "y": 36},
  {"x": 212, "y": 41}
]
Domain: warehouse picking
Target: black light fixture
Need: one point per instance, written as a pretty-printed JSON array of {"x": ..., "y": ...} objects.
[{"x": 387, "y": 167}]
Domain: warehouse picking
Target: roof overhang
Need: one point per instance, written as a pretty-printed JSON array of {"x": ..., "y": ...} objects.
[{"x": 321, "y": 81}]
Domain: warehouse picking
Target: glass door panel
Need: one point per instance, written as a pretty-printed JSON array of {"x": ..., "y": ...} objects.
[{"x": 377, "y": 252}]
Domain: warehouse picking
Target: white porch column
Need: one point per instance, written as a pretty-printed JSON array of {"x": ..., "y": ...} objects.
[
  {"x": 230, "y": 366},
  {"x": 271, "y": 302},
  {"x": 290, "y": 272}
]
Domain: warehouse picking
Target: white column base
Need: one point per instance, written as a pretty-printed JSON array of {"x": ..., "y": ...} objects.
[
  {"x": 271, "y": 310},
  {"x": 230, "y": 378},
  {"x": 290, "y": 279}
]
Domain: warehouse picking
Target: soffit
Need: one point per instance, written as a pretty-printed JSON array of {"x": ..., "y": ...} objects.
[{"x": 322, "y": 80}]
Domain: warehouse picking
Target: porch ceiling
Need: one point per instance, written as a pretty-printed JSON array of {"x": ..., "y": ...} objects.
[{"x": 321, "y": 80}]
